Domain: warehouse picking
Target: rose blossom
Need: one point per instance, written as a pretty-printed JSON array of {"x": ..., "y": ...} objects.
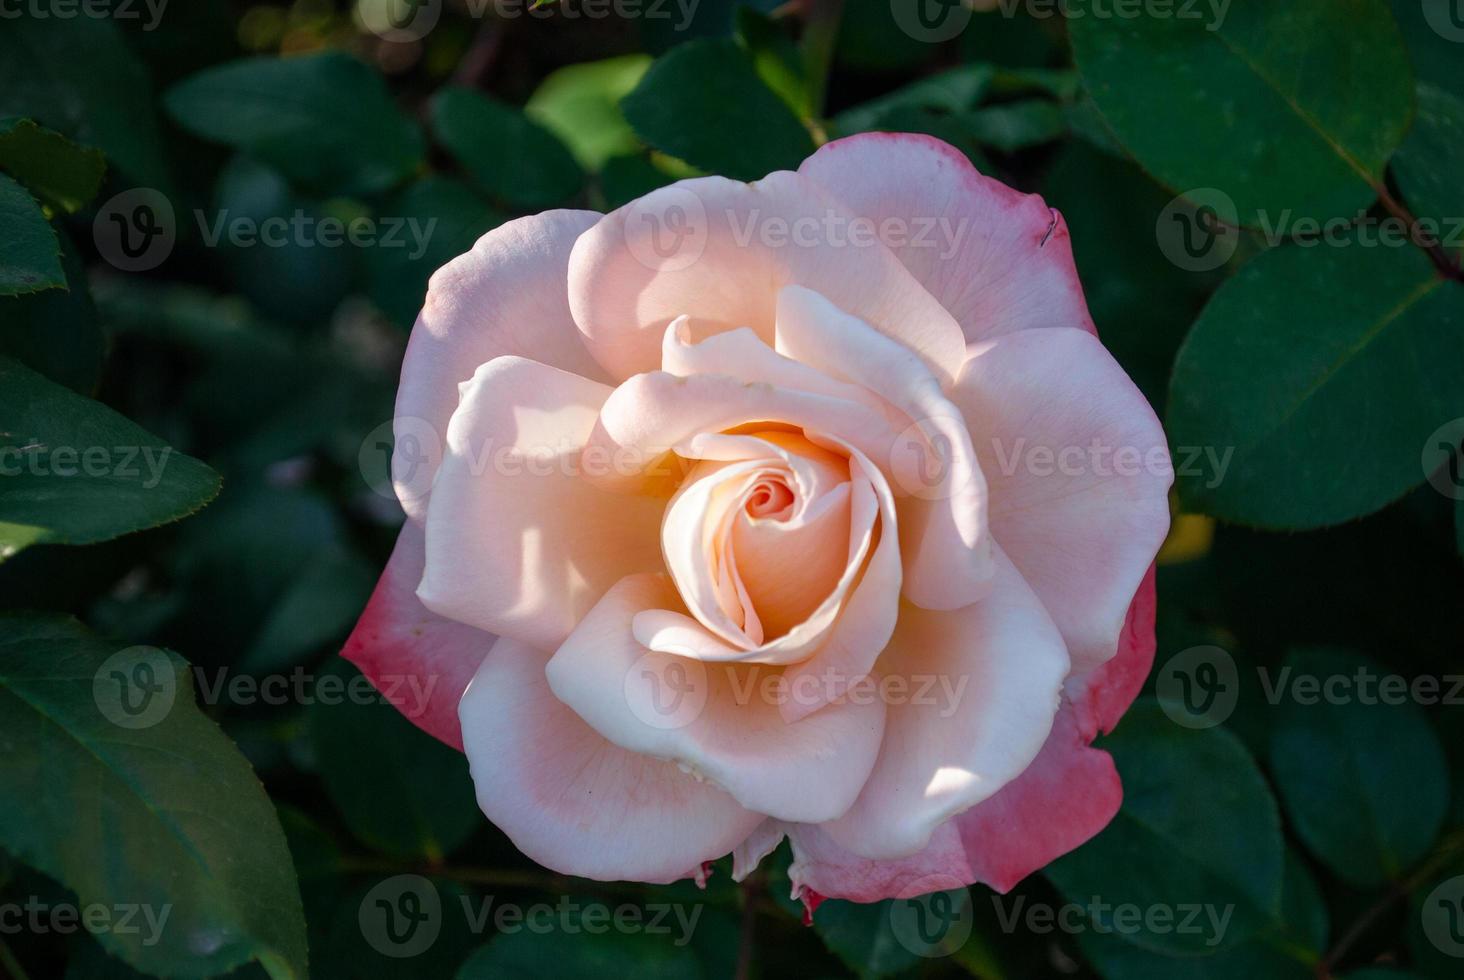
[{"x": 728, "y": 537}]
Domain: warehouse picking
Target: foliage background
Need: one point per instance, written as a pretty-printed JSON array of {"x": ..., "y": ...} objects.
[{"x": 1327, "y": 369}]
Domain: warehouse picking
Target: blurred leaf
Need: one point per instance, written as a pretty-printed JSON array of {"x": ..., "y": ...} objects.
[
  {"x": 1427, "y": 165},
  {"x": 376, "y": 933},
  {"x": 80, "y": 473},
  {"x": 57, "y": 171},
  {"x": 1432, "y": 32},
  {"x": 316, "y": 610},
  {"x": 1325, "y": 395},
  {"x": 503, "y": 151},
  {"x": 1060, "y": 83},
  {"x": 1294, "y": 106},
  {"x": 399, "y": 790},
  {"x": 30, "y": 255},
  {"x": 582, "y": 955},
  {"x": 942, "y": 125},
  {"x": 1084, "y": 119},
  {"x": 950, "y": 91},
  {"x": 55, "y": 332},
  {"x": 1198, "y": 827},
  {"x": 77, "y": 76},
  {"x": 325, "y": 119},
  {"x": 704, "y": 103},
  {"x": 581, "y": 105},
  {"x": 161, "y": 811},
  {"x": 1288, "y": 948},
  {"x": 1016, "y": 125},
  {"x": 871, "y": 39},
  {"x": 1364, "y": 784},
  {"x": 863, "y": 937},
  {"x": 626, "y": 178},
  {"x": 775, "y": 58},
  {"x": 448, "y": 218},
  {"x": 1009, "y": 35}
]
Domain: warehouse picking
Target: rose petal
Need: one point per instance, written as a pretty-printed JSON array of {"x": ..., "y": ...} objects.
[
  {"x": 505, "y": 296},
  {"x": 573, "y": 802},
  {"x": 718, "y": 250},
  {"x": 1079, "y": 474},
  {"x": 997, "y": 259},
  {"x": 420, "y": 661},
  {"x": 518, "y": 542},
  {"x": 983, "y": 687},
  {"x": 719, "y": 720}
]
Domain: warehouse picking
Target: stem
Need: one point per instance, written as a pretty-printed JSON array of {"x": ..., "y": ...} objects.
[
  {"x": 1399, "y": 890},
  {"x": 750, "y": 890},
  {"x": 1447, "y": 264},
  {"x": 820, "y": 33}
]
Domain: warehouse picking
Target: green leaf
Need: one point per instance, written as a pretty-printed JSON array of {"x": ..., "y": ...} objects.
[
  {"x": 141, "y": 801},
  {"x": 1321, "y": 370},
  {"x": 77, "y": 76},
  {"x": 1288, "y": 948},
  {"x": 1282, "y": 106},
  {"x": 863, "y": 936},
  {"x": 81, "y": 472},
  {"x": 1433, "y": 34},
  {"x": 581, "y": 105},
  {"x": 1016, "y": 125},
  {"x": 1427, "y": 165},
  {"x": 54, "y": 169},
  {"x": 316, "y": 610},
  {"x": 626, "y": 178},
  {"x": 1198, "y": 827},
  {"x": 399, "y": 790},
  {"x": 1364, "y": 784},
  {"x": 775, "y": 57},
  {"x": 55, "y": 331},
  {"x": 30, "y": 254},
  {"x": 325, "y": 120},
  {"x": 950, "y": 91},
  {"x": 704, "y": 103},
  {"x": 449, "y": 217},
  {"x": 583, "y": 955},
  {"x": 504, "y": 152}
]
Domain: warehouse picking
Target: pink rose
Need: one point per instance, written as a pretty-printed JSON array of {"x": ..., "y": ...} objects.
[{"x": 808, "y": 507}]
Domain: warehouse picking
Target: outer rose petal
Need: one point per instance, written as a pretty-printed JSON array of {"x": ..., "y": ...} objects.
[
  {"x": 505, "y": 296},
  {"x": 421, "y": 660},
  {"x": 1084, "y": 520},
  {"x": 998, "y": 259},
  {"x": 573, "y": 802},
  {"x": 720, "y": 724},
  {"x": 1064, "y": 798},
  {"x": 519, "y": 542},
  {"x": 948, "y": 748},
  {"x": 719, "y": 250}
]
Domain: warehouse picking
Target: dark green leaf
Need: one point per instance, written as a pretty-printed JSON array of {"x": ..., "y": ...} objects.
[
  {"x": 1427, "y": 165},
  {"x": 1433, "y": 31},
  {"x": 77, "y": 472},
  {"x": 325, "y": 119},
  {"x": 77, "y": 76},
  {"x": 626, "y": 178},
  {"x": 953, "y": 90},
  {"x": 30, "y": 255},
  {"x": 1360, "y": 772},
  {"x": 159, "y": 810},
  {"x": 55, "y": 331},
  {"x": 1283, "y": 106},
  {"x": 400, "y": 790},
  {"x": 1198, "y": 828},
  {"x": 775, "y": 57},
  {"x": 525, "y": 955},
  {"x": 1323, "y": 395},
  {"x": 863, "y": 936},
  {"x": 704, "y": 103},
  {"x": 504, "y": 152},
  {"x": 54, "y": 169},
  {"x": 1016, "y": 125}
]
